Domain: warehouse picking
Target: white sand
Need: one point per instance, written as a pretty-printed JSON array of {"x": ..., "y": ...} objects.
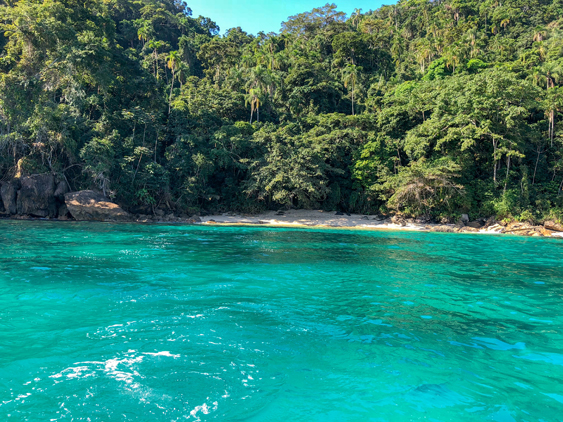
[{"x": 309, "y": 218}]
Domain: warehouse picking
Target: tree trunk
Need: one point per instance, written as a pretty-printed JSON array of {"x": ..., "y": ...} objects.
[
  {"x": 494, "y": 161},
  {"x": 552, "y": 130},
  {"x": 507, "y": 169},
  {"x": 536, "y": 168},
  {"x": 170, "y": 98}
]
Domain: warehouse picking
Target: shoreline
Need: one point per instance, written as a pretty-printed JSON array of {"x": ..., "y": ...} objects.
[
  {"x": 330, "y": 220},
  {"x": 326, "y": 220}
]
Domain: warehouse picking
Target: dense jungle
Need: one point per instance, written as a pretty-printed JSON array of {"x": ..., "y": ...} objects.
[{"x": 424, "y": 108}]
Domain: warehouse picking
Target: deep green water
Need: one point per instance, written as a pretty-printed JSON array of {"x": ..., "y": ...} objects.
[{"x": 102, "y": 322}]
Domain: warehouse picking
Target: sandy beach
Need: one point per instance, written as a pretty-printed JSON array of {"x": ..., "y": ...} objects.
[{"x": 330, "y": 219}]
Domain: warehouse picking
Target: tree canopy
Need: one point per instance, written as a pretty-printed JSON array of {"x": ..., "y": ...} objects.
[{"x": 424, "y": 107}]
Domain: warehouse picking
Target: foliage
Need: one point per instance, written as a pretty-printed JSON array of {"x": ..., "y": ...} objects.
[{"x": 424, "y": 107}]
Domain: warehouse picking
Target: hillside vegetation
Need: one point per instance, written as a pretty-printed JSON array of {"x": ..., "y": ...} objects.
[{"x": 428, "y": 108}]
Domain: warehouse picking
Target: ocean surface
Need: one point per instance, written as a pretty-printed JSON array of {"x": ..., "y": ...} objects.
[{"x": 122, "y": 322}]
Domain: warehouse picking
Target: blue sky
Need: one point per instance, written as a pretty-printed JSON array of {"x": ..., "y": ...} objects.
[{"x": 267, "y": 15}]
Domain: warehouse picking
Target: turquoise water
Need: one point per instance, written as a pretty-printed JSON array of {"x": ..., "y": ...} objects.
[{"x": 102, "y": 322}]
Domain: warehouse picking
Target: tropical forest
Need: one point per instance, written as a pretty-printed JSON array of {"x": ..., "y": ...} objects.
[{"x": 421, "y": 108}]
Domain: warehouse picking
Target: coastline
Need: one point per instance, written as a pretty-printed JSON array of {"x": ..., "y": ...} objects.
[
  {"x": 327, "y": 220},
  {"x": 323, "y": 219}
]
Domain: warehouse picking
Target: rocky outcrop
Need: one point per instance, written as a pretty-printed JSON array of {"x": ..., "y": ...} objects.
[
  {"x": 61, "y": 190},
  {"x": 88, "y": 205},
  {"x": 474, "y": 224},
  {"x": 442, "y": 229},
  {"x": 9, "y": 193},
  {"x": 36, "y": 196},
  {"x": 553, "y": 226}
]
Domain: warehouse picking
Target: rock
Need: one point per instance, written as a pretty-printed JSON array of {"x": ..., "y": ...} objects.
[
  {"x": 88, "y": 205},
  {"x": 549, "y": 225},
  {"x": 464, "y": 218},
  {"x": 518, "y": 228},
  {"x": 475, "y": 224},
  {"x": 469, "y": 230},
  {"x": 62, "y": 188},
  {"x": 545, "y": 232},
  {"x": 496, "y": 228},
  {"x": 338, "y": 213},
  {"x": 491, "y": 221},
  {"x": 194, "y": 219},
  {"x": 442, "y": 229},
  {"x": 63, "y": 212},
  {"x": 159, "y": 212},
  {"x": 36, "y": 196},
  {"x": 398, "y": 220},
  {"x": 365, "y": 217},
  {"x": 9, "y": 192}
]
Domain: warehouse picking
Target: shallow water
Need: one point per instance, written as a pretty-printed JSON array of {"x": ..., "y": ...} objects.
[{"x": 102, "y": 322}]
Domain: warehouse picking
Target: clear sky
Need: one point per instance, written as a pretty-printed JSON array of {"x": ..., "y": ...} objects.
[{"x": 267, "y": 15}]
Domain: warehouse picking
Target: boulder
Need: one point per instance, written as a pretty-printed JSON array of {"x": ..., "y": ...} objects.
[
  {"x": 396, "y": 219},
  {"x": 491, "y": 221},
  {"x": 545, "y": 232},
  {"x": 496, "y": 228},
  {"x": 516, "y": 227},
  {"x": 36, "y": 196},
  {"x": 61, "y": 190},
  {"x": 550, "y": 225},
  {"x": 475, "y": 224},
  {"x": 63, "y": 213},
  {"x": 465, "y": 218},
  {"x": 469, "y": 230},
  {"x": 88, "y": 205},
  {"x": 9, "y": 192},
  {"x": 442, "y": 229}
]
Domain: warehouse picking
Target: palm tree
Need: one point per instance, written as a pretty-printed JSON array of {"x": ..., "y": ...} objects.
[
  {"x": 155, "y": 45},
  {"x": 504, "y": 23},
  {"x": 553, "y": 73},
  {"x": 539, "y": 34},
  {"x": 356, "y": 17},
  {"x": 261, "y": 82},
  {"x": 182, "y": 69},
  {"x": 350, "y": 77},
  {"x": 254, "y": 98},
  {"x": 173, "y": 59},
  {"x": 144, "y": 31}
]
